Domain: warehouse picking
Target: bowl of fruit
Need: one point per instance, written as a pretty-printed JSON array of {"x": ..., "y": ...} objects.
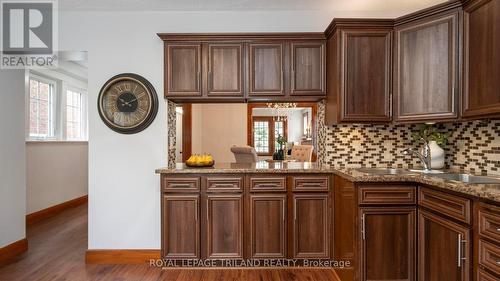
[{"x": 203, "y": 160}]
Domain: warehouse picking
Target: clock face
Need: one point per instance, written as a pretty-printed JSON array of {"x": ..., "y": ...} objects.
[{"x": 127, "y": 103}]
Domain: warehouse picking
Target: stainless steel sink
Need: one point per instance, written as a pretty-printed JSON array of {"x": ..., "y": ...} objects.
[
  {"x": 466, "y": 178},
  {"x": 384, "y": 171},
  {"x": 426, "y": 171}
]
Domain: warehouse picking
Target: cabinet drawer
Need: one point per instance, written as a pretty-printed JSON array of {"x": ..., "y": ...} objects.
[
  {"x": 489, "y": 222},
  {"x": 387, "y": 195},
  {"x": 489, "y": 255},
  {"x": 268, "y": 184},
  {"x": 450, "y": 205},
  {"x": 223, "y": 184},
  {"x": 318, "y": 183},
  {"x": 181, "y": 184},
  {"x": 484, "y": 276}
]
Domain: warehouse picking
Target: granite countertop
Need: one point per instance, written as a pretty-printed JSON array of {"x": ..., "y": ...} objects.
[
  {"x": 259, "y": 167},
  {"x": 485, "y": 191}
]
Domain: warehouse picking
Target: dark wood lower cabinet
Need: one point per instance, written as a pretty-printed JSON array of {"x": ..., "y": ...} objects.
[
  {"x": 221, "y": 216},
  {"x": 485, "y": 276},
  {"x": 311, "y": 226},
  {"x": 181, "y": 231},
  {"x": 388, "y": 243},
  {"x": 444, "y": 249},
  {"x": 268, "y": 226},
  {"x": 345, "y": 226},
  {"x": 379, "y": 228},
  {"x": 224, "y": 226}
]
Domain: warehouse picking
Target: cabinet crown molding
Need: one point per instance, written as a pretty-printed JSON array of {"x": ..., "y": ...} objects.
[
  {"x": 357, "y": 23},
  {"x": 186, "y": 37},
  {"x": 390, "y": 23},
  {"x": 437, "y": 9}
]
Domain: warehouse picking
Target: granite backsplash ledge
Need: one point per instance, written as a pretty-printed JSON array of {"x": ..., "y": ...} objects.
[{"x": 473, "y": 146}]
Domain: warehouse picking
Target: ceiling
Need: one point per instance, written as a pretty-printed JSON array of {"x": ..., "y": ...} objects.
[{"x": 351, "y": 6}]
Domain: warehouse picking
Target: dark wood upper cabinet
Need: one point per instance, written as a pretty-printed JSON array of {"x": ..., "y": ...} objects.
[
  {"x": 267, "y": 226},
  {"x": 266, "y": 69},
  {"x": 367, "y": 73},
  {"x": 307, "y": 68},
  {"x": 359, "y": 73},
  {"x": 481, "y": 87},
  {"x": 183, "y": 70},
  {"x": 311, "y": 226},
  {"x": 224, "y": 237},
  {"x": 180, "y": 228},
  {"x": 443, "y": 249},
  {"x": 225, "y": 77},
  {"x": 427, "y": 69},
  {"x": 243, "y": 67},
  {"x": 388, "y": 243}
]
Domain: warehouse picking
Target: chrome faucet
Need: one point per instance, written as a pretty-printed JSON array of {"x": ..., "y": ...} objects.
[{"x": 425, "y": 156}]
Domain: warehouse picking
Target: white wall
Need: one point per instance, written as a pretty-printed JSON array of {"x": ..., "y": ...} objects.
[
  {"x": 217, "y": 127},
  {"x": 295, "y": 128},
  {"x": 178, "y": 137},
  {"x": 12, "y": 157},
  {"x": 56, "y": 172},
  {"x": 124, "y": 198}
]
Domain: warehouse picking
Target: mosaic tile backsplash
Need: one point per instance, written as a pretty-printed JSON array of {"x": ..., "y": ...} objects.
[
  {"x": 473, "y": 146},
  {"x": 171, "y": 127}
]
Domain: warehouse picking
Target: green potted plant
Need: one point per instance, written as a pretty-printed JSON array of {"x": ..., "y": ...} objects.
[{"x": 435, "y": 139}]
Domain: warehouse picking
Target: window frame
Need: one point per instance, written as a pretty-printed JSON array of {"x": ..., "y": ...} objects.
[
  {"x": 59, "y": 93},
  {"x": 53, "y": 108},
  {"x": 271, "y": 137},
  {"x": 84, "y": 113}
]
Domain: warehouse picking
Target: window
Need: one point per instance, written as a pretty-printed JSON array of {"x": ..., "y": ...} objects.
[
  {"x": 41, "y": 109},
  {"x": 265, "y": 134},
  {"x": 57, "y": 110},
  {"x": 261, "y": 137},
  {"x": 279, "y": 130},
  {"x": 74, "y": 115}
]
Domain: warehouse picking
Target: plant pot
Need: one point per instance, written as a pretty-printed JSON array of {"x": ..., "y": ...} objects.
[
  {"x": 279, "y": 155},
  {"x": 275, "y": 155},
  {"x": 437, "y": 155}
]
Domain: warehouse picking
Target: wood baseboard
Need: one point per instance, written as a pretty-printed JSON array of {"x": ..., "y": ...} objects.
[
  {"x": 54, "y": 210},
  {"x": 120, "y": 256},
  {"x": 13, "y": 250}
]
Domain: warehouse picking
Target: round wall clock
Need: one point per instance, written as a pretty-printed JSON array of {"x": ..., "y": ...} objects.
[{"x": 127, "y": 103}]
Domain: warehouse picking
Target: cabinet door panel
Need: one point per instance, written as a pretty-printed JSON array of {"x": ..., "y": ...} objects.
[
  {"x": 183, "y": 70},
  {"x": 444, "y": 249},
  {"x": 308, "y": 69},
  {"x": 266, "y": 69},
  {"x": 388, "y": 243},
  {"x": 366, "y": 61},
  {"x": 427, "y": 69},
  {"x": 345, "y": 225},
  {"x": 181, "y": 232},
  {"x": 310, "y": 222},
  {"x": 481, "y": 59},
  {"x": 225, "y": 70},
  {"x": 224, "y": 226},
  {"x": 267, "y": 226}
]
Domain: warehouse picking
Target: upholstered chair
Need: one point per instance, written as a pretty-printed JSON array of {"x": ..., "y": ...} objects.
[
  {"x": 244, "y": 154},
  {"x": 302, "y": 153}
]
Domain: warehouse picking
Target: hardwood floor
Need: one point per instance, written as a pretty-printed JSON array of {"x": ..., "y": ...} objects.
[{"x": 57, "y": 252}]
